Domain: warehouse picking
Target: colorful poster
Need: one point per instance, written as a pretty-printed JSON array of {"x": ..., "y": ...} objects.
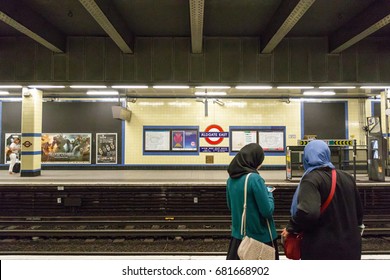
[
  {"x": 66, "y": 148},
  {"x": 9, "y": 139},
  {"x": 184, "y": 140},
  {"x": 106, "y": 148}
]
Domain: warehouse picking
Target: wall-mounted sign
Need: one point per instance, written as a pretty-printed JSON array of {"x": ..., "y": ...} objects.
[
  {"x": 9, "y": 139},
  {"x": 106, "y": 148},
  {"x": 66, "y": 148},
  {"x": 214, "y": 149},
  {"x": 214, "y": 134}
]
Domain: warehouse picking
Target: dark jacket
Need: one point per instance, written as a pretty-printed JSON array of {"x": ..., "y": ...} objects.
[{"x": 334, "y": 234}]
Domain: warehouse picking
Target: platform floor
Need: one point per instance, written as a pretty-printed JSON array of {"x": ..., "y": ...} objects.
[{"x": 142, "y": 177}]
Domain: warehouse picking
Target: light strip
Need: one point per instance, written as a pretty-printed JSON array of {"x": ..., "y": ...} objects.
[
  {"x": 295, "y": 87},
  {"x": 87, "y": 86},
  {"x": 319, "y": 93},
  {"x": 202, "y": 93},
  {"x": 337, "y": 87},
  {"x": 44, "y": 86},
  {"x": 93, "y": 92},
  {"x": 375, "y": 87},
  {"x": 130, "y": 86},
  {"x": 10, "y": 86},
  {"x": 4, "y": 92},
  {"x": 171, "y": 87},
  {"x": 214, "y": 87},
  {"x": 253, "y": 87}
]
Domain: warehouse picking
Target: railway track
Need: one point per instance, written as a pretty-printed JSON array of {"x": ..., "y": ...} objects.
[{"x": 143, "y": 227}]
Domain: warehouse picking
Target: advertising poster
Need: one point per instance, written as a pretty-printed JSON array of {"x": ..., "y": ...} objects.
[
  {"x": 184, "y": 140},
  {"x": 66, "y": 148},
  {"x": 106, "y": 148},
  {"x": 9, "y": 139}
]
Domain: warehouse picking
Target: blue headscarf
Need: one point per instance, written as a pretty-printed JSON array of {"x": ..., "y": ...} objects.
[{"x": 315, "y": 155}]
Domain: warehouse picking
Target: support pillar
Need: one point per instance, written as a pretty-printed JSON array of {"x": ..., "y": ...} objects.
[{"x": 31, "y": 133}]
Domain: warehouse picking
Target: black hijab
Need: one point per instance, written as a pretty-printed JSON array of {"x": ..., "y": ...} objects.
[{"x": 246, "y": 160}]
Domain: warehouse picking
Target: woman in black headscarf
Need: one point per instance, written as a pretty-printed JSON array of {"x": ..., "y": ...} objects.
[{"x": 260, "y": 201}]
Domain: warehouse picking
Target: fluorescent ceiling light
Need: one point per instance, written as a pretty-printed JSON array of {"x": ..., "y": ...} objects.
[
  {"x": 202, "y": 93},
  {"x": 337, "y": 87},
  {"x": 44, "y": 86},
  {"x": 94, "y": 92},
  {"x": 295, "y": 87},
  {"x": 87, "y": 86},
  {"x": 4, "y": 92},
  {"x": 253, "y": 87},
  {"x": 214, "y": 87},
  {"x": 375, "y": 87},
  {"x": 130, "y": 86},
  {"x": 10, "y": 86},
  {"x": 171, "y": 87},
  {"x": 319, "y": 93},
  {"x": 305, "y": 100}
]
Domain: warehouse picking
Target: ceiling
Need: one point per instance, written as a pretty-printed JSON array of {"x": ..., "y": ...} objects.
[{"x": 344, "y": 22}]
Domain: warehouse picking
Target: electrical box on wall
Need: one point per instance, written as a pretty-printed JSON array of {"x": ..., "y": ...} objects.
[{"x": 121, "y": 113}]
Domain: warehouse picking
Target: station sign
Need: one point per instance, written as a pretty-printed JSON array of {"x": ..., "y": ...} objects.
[
  {"x": 214, "y": 134},
  {"x": 214, "y": 149},
  {"x": 330, "y": 142}
]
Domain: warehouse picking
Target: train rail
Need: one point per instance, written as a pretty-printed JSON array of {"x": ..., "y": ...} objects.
[{"x": 143, "y": 227}]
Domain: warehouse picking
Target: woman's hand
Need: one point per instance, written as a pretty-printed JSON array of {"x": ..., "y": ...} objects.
[{"x": 283, "y": 235}]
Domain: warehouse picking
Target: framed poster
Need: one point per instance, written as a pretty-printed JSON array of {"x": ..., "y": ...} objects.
[
  {"x": 66, "y": 148},
  {"x": 156, "y": 140},
  {"x": 9, "y": 139},
  {"x": 240, "y": 138},
  {"x": 184, "y": 140},
  {"x": 106, "y": 148},
  {"x": 271, "y": 141}
]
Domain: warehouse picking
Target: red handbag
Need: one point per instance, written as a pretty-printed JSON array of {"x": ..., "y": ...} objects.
[
  {"x": 292, "y": 242},
  {"x": 292, "y": 246}
]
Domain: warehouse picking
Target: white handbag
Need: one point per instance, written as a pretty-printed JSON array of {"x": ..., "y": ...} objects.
[{"x": 252, "y": 249}]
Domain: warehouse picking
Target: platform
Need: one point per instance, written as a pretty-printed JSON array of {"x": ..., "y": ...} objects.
[{"x": 149, "y": 177}]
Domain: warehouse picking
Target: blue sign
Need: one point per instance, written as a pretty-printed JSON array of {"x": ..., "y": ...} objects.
[
  {"x": 215, "y": 134},
  {"x": 214, "y": 149}
]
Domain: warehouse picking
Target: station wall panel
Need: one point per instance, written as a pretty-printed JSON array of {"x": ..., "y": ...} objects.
[
  {"x": 76, "y": 66},
  {"x": 143, "y": 60},
  {"x": 25, "y": 59},
  {"x": 113, "y": 60},
  {"x": 43, "y": 64},
  {"x": 224, "y": 60},
  {"x": 181, "y": 64},
  {"x": 230, "y": 59},
  {"x": 162, "y": 59},
  {"x": 212, "y": 60},
  {"x": 94, "y": 59},
  {"x": 250, "y": 49}
]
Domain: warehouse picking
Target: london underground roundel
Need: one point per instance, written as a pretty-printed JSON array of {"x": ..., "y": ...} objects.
[{"x": 214, "y": 140}]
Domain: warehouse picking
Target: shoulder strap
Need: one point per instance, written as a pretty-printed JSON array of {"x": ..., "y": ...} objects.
[
  {"x": 243, "y": 217},
  {"x": 332, "y": 191}
]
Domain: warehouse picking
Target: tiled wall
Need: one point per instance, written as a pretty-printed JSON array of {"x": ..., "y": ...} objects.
[{"x": 234, "y": 112}]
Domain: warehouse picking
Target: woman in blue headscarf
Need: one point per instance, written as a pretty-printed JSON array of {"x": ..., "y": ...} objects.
[{"x": 335, "y": 233}]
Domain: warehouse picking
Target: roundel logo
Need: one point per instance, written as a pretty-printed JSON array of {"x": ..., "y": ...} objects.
[{"x": 214, "y": 140}]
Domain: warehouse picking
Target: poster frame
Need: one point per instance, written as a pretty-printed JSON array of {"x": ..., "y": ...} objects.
[{"x": 97, "y": 146}]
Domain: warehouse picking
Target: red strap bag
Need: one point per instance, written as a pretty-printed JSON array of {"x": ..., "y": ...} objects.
[{"x": 292, "y": 242}]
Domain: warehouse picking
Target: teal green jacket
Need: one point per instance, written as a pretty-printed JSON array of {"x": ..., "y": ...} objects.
[{"x": 260, "y": 206}]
